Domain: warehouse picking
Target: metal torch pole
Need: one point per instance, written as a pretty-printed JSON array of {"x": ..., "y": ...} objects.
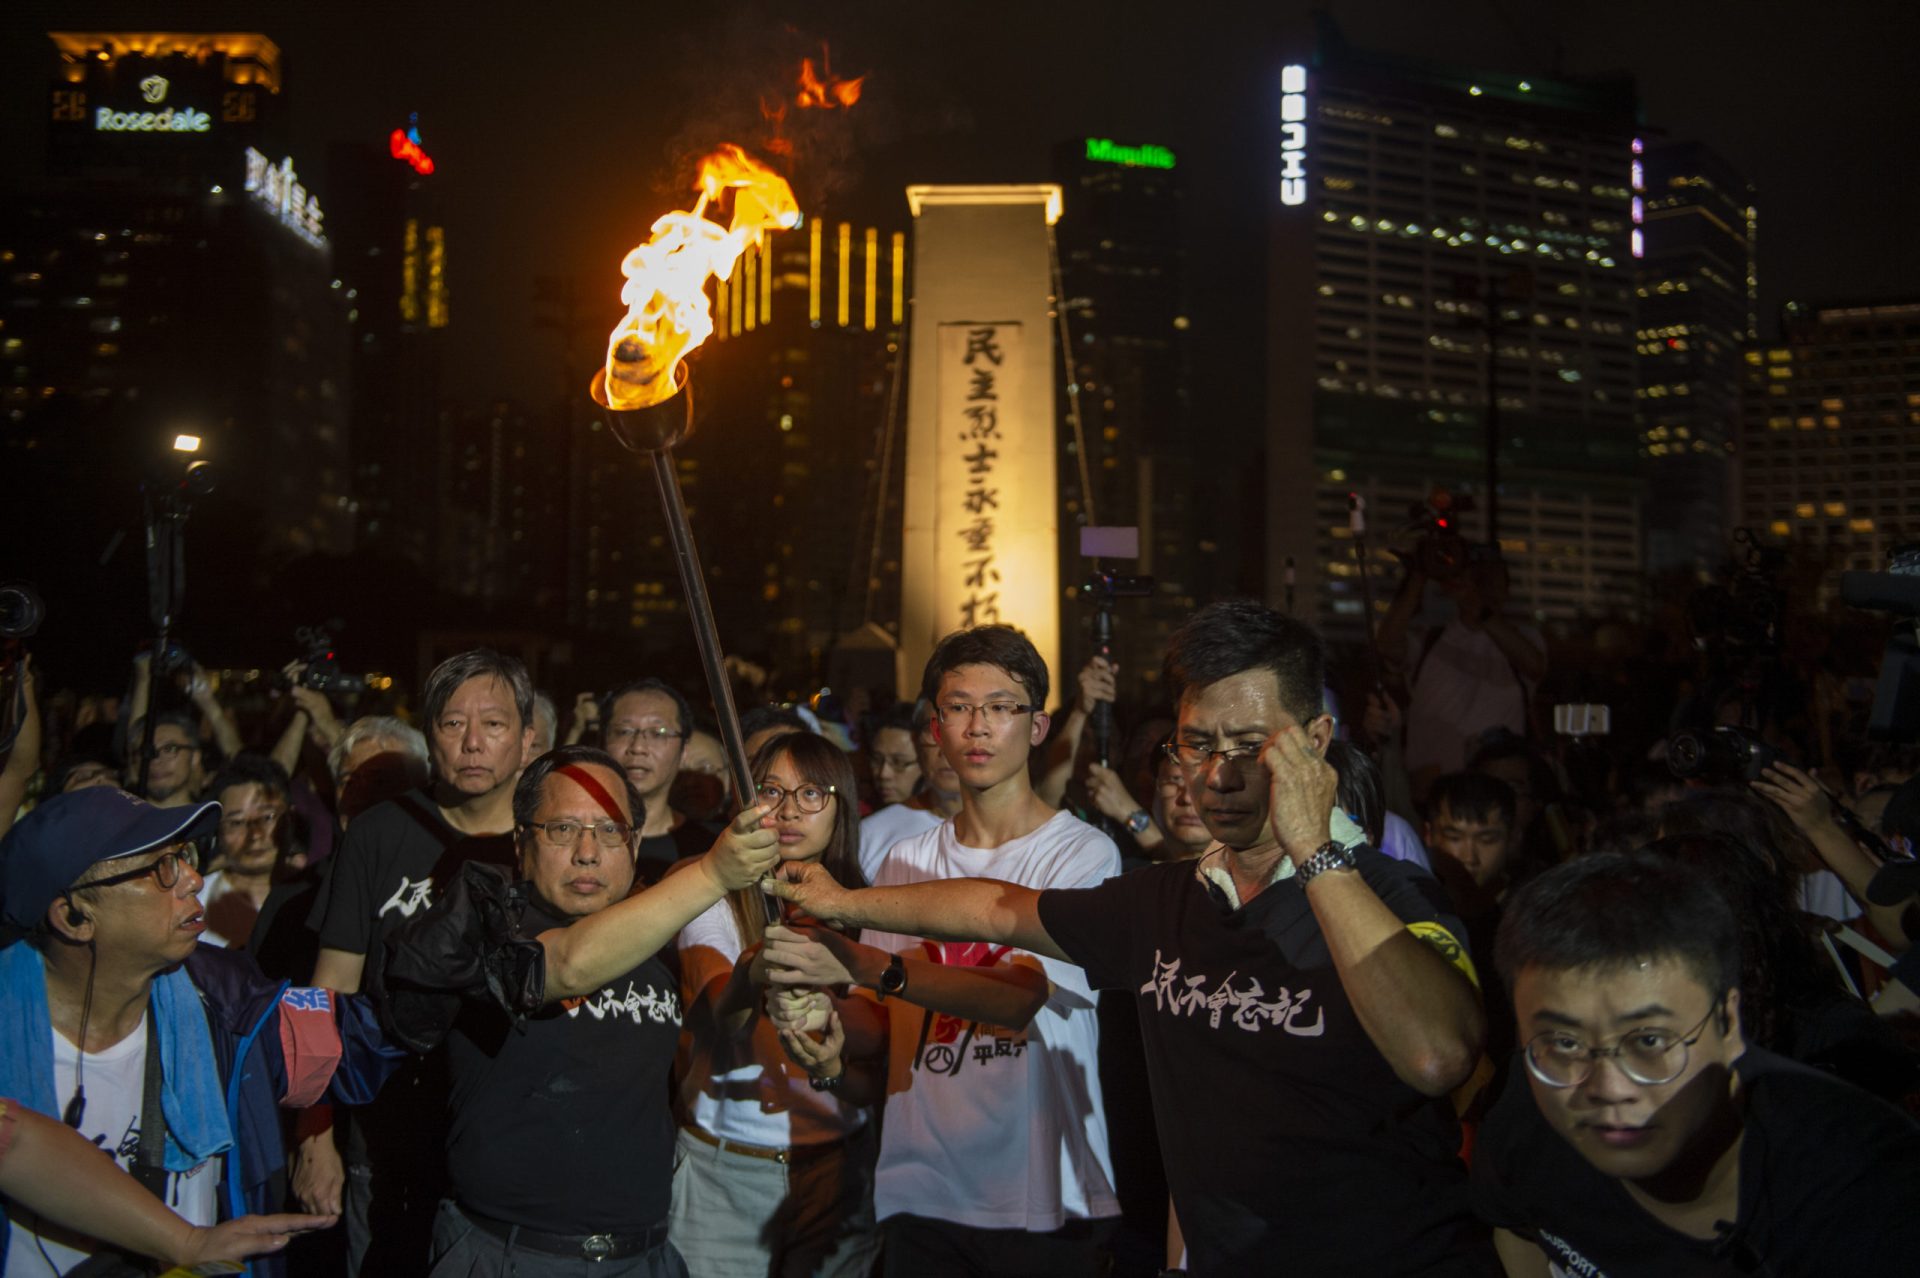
[{"x": 694, "y": 582}]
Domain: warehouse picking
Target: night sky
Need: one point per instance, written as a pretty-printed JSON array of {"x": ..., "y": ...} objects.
[{"x": 561, "y": 129}]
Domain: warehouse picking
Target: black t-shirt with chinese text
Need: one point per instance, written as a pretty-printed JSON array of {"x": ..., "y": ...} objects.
[
  {"x": 658, "y": 852},
  {"x": 565, "y": 1126},
  {"x": 1290, "y": 1144},
  {"x": 391, "y": 861},
  {"x": 1829, "y": 1178}
]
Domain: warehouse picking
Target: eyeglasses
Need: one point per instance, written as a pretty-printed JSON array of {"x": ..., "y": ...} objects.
[
  {"x": 808, "y": 798},
  {"x": 895, "y": 763},
  {"x": 172, "y": 750},
  {"x": 165, "y": 870},
  {"x": 655, "y": 737},
  {"x": 566, "y": 834},
  {"x": 1194, "y": 756},
  {"x": 999, "y": 713},
  {"x": 1648, "y": 1056},
  {"x": 264, "y": 822}
]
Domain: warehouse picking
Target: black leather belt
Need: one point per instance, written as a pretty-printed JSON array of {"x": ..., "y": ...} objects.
[{"x": 589, "y": 1247}]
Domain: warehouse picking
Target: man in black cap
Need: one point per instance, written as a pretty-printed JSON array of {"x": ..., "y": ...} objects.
[{"x": 168, "y": 1054}]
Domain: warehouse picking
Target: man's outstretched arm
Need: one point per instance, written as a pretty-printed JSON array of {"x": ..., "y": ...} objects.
[{"x": 951, "y": 910}]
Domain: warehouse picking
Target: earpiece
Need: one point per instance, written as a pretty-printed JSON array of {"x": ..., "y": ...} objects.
[{"x": 74, "y": 917}]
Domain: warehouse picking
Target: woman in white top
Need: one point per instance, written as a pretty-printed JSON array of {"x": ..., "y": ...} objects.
[{"x": 774, "y": 1173}]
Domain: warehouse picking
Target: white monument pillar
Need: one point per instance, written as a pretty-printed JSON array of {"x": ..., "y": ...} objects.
[{"x": 981, "y": 525}]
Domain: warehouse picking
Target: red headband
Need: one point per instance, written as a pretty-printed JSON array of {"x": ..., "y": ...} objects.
[{"x": 597, "y": 792}]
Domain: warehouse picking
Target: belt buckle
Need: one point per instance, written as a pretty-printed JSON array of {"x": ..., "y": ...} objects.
[{"x": 597, "y": 1247}]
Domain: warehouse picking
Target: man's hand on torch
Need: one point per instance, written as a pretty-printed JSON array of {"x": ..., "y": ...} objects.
[
  {"x": 809, "y": 886},
  {"x": 819, "y": 956},
  {"x": 746, "y": 853}
]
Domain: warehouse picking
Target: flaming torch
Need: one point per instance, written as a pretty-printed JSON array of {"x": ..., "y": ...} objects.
[{"x": 644, "y": 384}]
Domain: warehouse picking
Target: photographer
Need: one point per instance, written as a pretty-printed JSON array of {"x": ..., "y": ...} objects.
[
  {"x": 1810, "y": 808},
  {"x": 1474, "y": 673},
  {"x": 313, "y": 720}
]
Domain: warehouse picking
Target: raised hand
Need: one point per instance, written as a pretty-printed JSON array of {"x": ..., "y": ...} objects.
[
  {"x": 798, "y": 1009},
  {"x": 1801, "y": 797},
  {"x": 813, "y": 956},
  {"x": 1097, "y": 683},
  {"x": 747, "y": 851},
  {"x": 821, "y": 1059},
  {"x": 1302, "y": 790}
]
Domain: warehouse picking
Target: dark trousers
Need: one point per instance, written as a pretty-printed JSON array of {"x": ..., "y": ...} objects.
[
  {"x": 920, "y": 1247},
  {"x": 463, "y": 1250}
]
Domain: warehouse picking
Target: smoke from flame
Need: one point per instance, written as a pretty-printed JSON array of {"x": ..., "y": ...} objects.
[{"x": 667, "y": 310}]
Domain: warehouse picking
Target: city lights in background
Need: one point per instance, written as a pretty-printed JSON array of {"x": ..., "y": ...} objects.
[{"x": 1637, "y": 239}]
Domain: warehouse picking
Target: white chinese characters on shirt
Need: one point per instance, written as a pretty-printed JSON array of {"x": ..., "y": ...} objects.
[{"x": 1249, "y": 1006}]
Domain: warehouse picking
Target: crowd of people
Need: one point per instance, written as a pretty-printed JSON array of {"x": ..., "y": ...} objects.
[{"x": 1244, "y": 986}]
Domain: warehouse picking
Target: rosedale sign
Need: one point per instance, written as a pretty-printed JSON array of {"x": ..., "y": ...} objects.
[
  {"x": 167, "y": 120},
  {"x": 1107, "y": 151}
]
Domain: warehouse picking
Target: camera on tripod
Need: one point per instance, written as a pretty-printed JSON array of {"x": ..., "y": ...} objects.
[
  {"x": 1725, "y": 756},
  {"x": 1896, "y": 696},
  {"x": 1742, "y": 616}
]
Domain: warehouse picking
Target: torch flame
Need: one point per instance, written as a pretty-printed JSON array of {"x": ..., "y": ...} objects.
[
  {"x": 824, "y": 89},
  {"x": 667, "y": 310}
]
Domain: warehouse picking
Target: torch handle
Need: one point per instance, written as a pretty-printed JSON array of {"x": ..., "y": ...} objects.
[{"x": 706, "y": 635}]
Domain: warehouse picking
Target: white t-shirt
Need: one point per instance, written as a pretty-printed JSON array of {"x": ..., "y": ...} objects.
[
  {"x": 1823, "y": 894},
  {"x": 114, "y": 1082},
  {"x": 1464, "y": 688},
  {"x": 962, "y": 1094},
  {"x": 879, "y": 832},
  {"x": 747, "y": 1089}
]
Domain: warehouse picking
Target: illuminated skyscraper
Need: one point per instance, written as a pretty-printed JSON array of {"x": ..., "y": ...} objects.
[
  {"x": 1695, "y": 286},
  {"x": 1828, "y": 463},
  {"x": 173, "y": 270},
  {"x": 1124, "y": 297},
  {"x": 1448, "y": 241}
]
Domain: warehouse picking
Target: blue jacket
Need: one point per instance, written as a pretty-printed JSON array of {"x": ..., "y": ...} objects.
[{"x": 275, "y": 1044}]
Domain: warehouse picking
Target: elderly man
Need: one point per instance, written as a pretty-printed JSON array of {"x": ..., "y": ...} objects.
[
  {"x": 578, "y": 1090},
  {"x": 1305, "y": 1003},
  {"x": 110, "y": 989}
]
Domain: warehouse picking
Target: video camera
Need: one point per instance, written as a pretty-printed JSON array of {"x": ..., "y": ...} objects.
[
  {"x": 1725, "y": 756},
  {"x": 322, "y": 672},
  {"x": 1440, "y": 552},
  {"x": 1743, "y": 615}
]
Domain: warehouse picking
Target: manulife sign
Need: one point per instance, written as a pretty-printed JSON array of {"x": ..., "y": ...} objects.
[{"x": 1107, "y": 151}]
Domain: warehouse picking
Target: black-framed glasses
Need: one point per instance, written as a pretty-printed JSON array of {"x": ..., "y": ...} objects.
[
  {"x": 1648, "y": 1056},
  {"x": 166, "y": 869},
  {"x": 809, "y": 798},
  {"x": 629, "y": 735},
  {"x": 956, "y": 714},
  {"x": 173, "y": 750},
  {"x": 566, "y": 834},
  {"x": 1194, "y": 756}
]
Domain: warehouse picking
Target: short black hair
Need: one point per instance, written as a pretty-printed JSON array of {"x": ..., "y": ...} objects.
[
  {"x": 250, "y": 767},
  {"x": 1001, "y": 646},
  {"x": 760, "y": 718},
  {"x": 477, "y": 663},
  {"x": 651, "y": 684},
  {"x": 1502, "y": 744},
  {"x": 898, "y": 715},
  {"x": 1234, "y": 635},
  {"x": 1611, "y": 909},
  {"x": 1472, "y": 796},
  {"x": 533, "y": 780}
]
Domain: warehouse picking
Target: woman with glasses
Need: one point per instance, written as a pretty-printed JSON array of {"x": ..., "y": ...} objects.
[{"x": 774, "y": 1175}]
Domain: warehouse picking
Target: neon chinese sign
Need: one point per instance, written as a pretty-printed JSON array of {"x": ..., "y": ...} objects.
[
  {"x": 1293, "y": 135},
  {"x": 1107, "y": 151},
  {"x": 405, "y": 145},
  {"x": 277, "y": 188}
]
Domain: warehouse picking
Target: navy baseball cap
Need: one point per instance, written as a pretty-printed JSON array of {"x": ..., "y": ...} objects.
[{"x": 52, "y": 846}]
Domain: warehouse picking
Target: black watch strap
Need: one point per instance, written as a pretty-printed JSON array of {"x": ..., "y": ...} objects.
[{"x": 893, "y": 981}]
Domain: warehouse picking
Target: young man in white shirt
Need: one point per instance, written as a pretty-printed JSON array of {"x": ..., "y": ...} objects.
[{"x": 994, "y": 1157}]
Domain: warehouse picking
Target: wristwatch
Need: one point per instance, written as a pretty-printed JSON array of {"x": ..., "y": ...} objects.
[
  {"x": 1139, "y": 821},
  {"x": 1329, "y": 856},
  {"x": 820, "y": 1084},
  {"x": 894, "y": 980}
]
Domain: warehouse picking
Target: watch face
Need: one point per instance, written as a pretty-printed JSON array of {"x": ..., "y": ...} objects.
[{"x": 1138, "y": 822}]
